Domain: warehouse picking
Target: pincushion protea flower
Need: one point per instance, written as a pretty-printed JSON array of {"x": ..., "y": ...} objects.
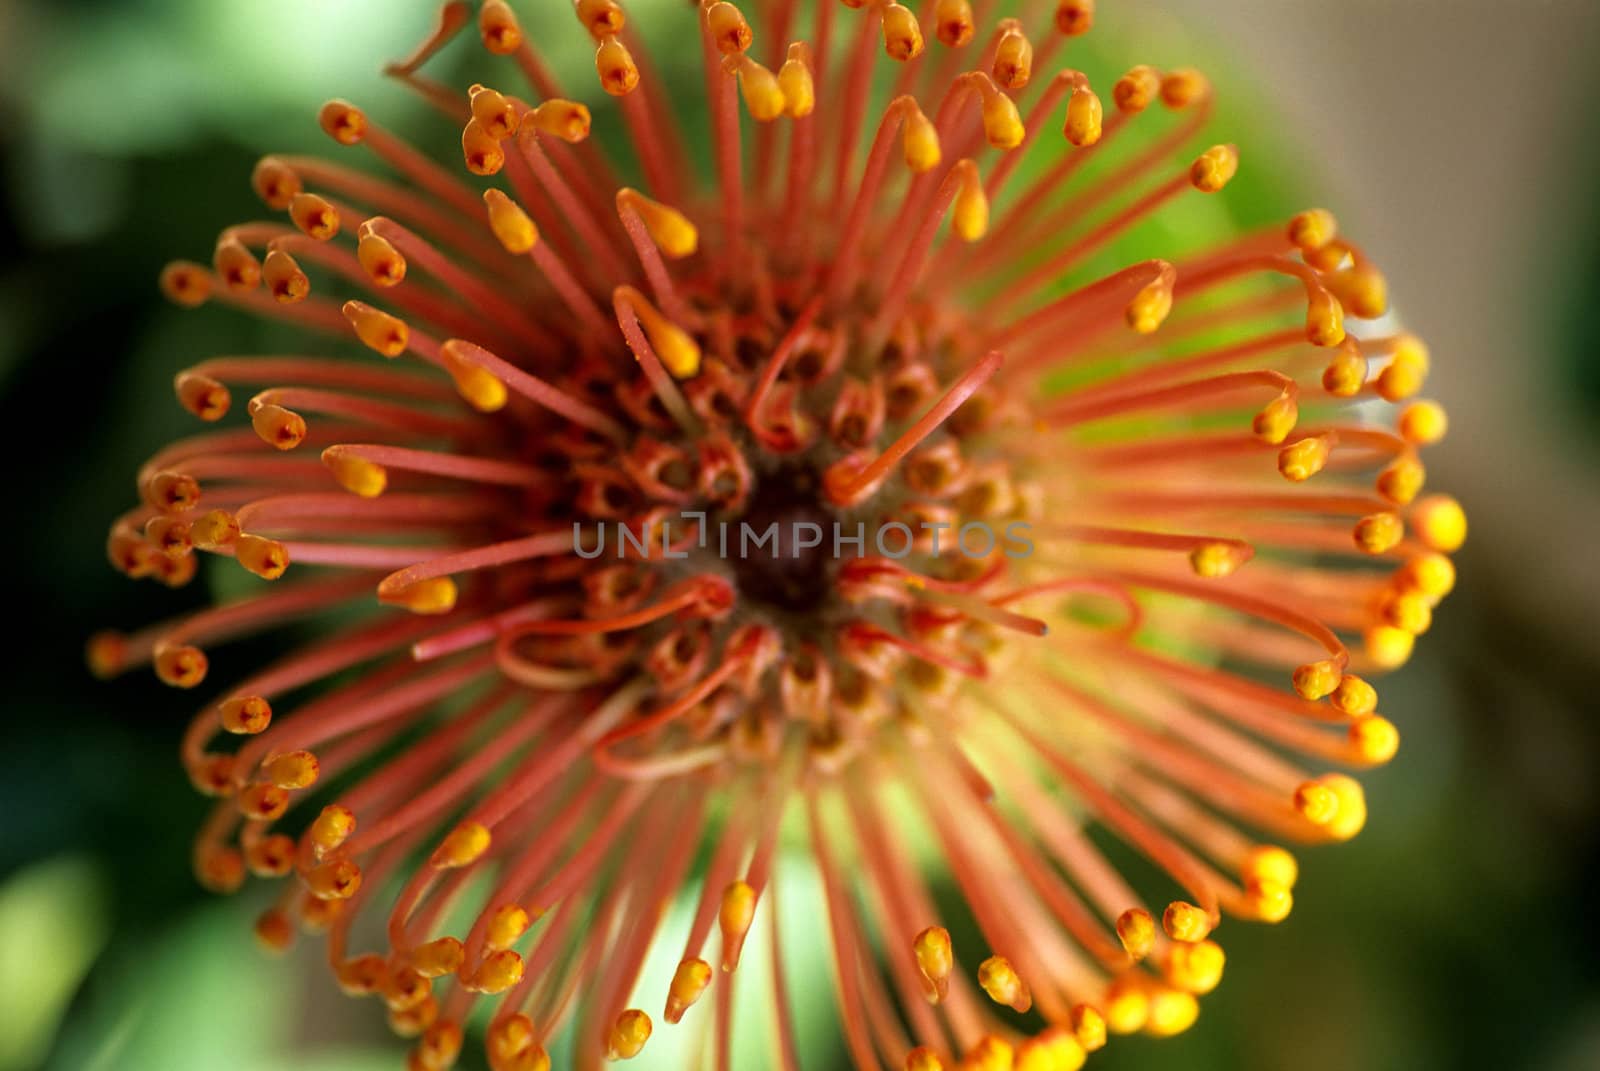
[{"x": 501, "y": 771}]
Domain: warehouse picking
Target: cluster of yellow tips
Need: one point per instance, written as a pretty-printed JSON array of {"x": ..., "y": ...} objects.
[{"x": 1155, "y": 600}]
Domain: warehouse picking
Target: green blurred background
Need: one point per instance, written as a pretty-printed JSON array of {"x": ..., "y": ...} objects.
[{"x": 1456, "y": 137}]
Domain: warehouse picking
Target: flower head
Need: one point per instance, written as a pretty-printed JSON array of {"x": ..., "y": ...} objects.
[{"x": 1043, "y": 540}]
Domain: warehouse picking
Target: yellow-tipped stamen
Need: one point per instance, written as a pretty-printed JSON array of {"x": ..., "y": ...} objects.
[
  {"x": 380, "y": 331},
  {"x": 902, "y": 34},
  {"x": 1013, "y": 57},
  {"x": 614, "y": 64},
  {"x": 1379, "y": 533},
  {"x": 1085, "y": 118},
  {"x": 1440, "y": 523},
  {"x": 331, "y": 828},
  {"x": 953, "y": 24},
  {"x": 689, "y": 981},
  {"x": 675, "y": 347},
  {"x": 1185, "y": 922},
  {"x": 729, "y": 30},
  {"x": 935, "y": 960},
  {"x": 1136, "y": 929},
  {"x": 628, "y": 1035},
  {"x": 464, "y": 846},
  {"x": 1003, "y": 984},
  {"x": 356, "y": 474},
  {"x": 970, "y": 214},
  {"x": 670, "y": 230},
  {"x": 436, "y": 595},
  {"x": 759, "y": 87},
  {"x": 564, "y": 119}
]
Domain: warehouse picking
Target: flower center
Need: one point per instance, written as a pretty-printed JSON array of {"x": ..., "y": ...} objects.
[{"x": 782, "y": 550}]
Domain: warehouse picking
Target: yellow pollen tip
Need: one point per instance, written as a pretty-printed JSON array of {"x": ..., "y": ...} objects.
[
  {"x": 1375, "y": 740},
  {"x": 1053, "y": 1049},
  {"x": 203, "y": 396},
  {"x": 1315, "y": 680},
  {"x": 1423, "y": 423},
  {"x": 1351, "y": 816},
  {"x": 1268, "y": 862},
  {"x": 292, "y": 770},
  {"x": 380, "y": 260},
  {"x": 991, "y": 1053},
  {"x": 498, "y": 972},
  {"x": 689, "y": 981},
  {"x": 285, "y": 281},
  {"x": 506, "y": 926},
  {"x": 236, "y": 265},
  {"x": 935, "y": 959},
  {"x": 628, "y": 1035},
  {"x": 1354, "y": 696},
  {"x": 436, "y": 595},
  {"x": 508, "y": 1040},
  {"x": 215, "y": 528},
  {"x": 1085, "y": 117},
  {"x": 1195, "y": 968},
  {"x": 186, "y": 283},
  {"x": 729, "y": 30},
  {"x": 1217, "y": 560},
  {"x": 343, "y": 122},
  {"x": 970, "y": 216},
  {"x": 1214, "y": 168},
  {"x": 245, "y": 715},
  {"x": 902, "y": 34},
  {"x": 1312, "y": 229},
  {"x": 278, "y": 427},
  {"x": 464, "y": 846},
  {"x": 331, "y": 828},
  {"x": 1316, "y": 803},
  {"x": 677, "y": 350},
  {"x": 1184, "y": 87},
  {"x": 1324, "y": 319},
  {"x": 274, "y": 932},
  {"x": 1172, "y": 1011},
  {"x": 1150, "y": 306},
  {"x": 275, "y": 182},
  {"x": 437, "y": 958},
  {"x": 498, "y": 28},
  {"x": 1135, "y": 90},
  {"x": 1184, "y": 921},
  {"x": 1440, "y": 523},
  {"x": 1136, "y": 929},
  {"x": 337, "y": 879},
  {"x": 669, "y": 229},
  {"x": 1345, "y": 375},
  {"x": 1378, "y": 533},
  {"x": 953, "y": 23},
  {"x": 796, "y": 81},
  {"x": 314, "y": 216},
  {"x": 759, "y": 87},
  {"x": 387, "y": 334},
  {"x": 266, "y": 558},
  {"x": 1410, "y": 611},
  {"x": 356, "y": 474},
  {"x": 1402, "y": 377},
  {"x": 1074, "y": 18},
  {"x": 1126, "y": 1005},
  {"x": 180, "y": 666},
  {"x": 919, "y": 140},
  {"x": 564, "y": 119},
  {"x": 614, "y": 64},
  {"x": 482, "y": 389},
  {"x": 1089, "y": 1027},
  {"x": 1003, "y": 984},
  {"x": 1013, "y": 57},
  {"x": 1304, "y": 459},
  {"x": 600, "y": 16},
  {"x": 1276, "y": 419},
  {"x": 439, "y": 1047},
  {"x": 263, "y": 803},
  {"x": 481, "y": 150},
  {"x": 923, "y": 1058},
  {"x": 1362, "y": 289},
  {"x": 1430, "y": 574},
  {"x": 1269, "y": 900},
  {"x": 1388, "y": 647},
  {"x": 512, "y": 227},
  {"x": 493, "y": 111},
  {"x": 361, "y": 976},
  {"x": 1401, "y": 480},
  {"x": 734, "y": 917}
]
